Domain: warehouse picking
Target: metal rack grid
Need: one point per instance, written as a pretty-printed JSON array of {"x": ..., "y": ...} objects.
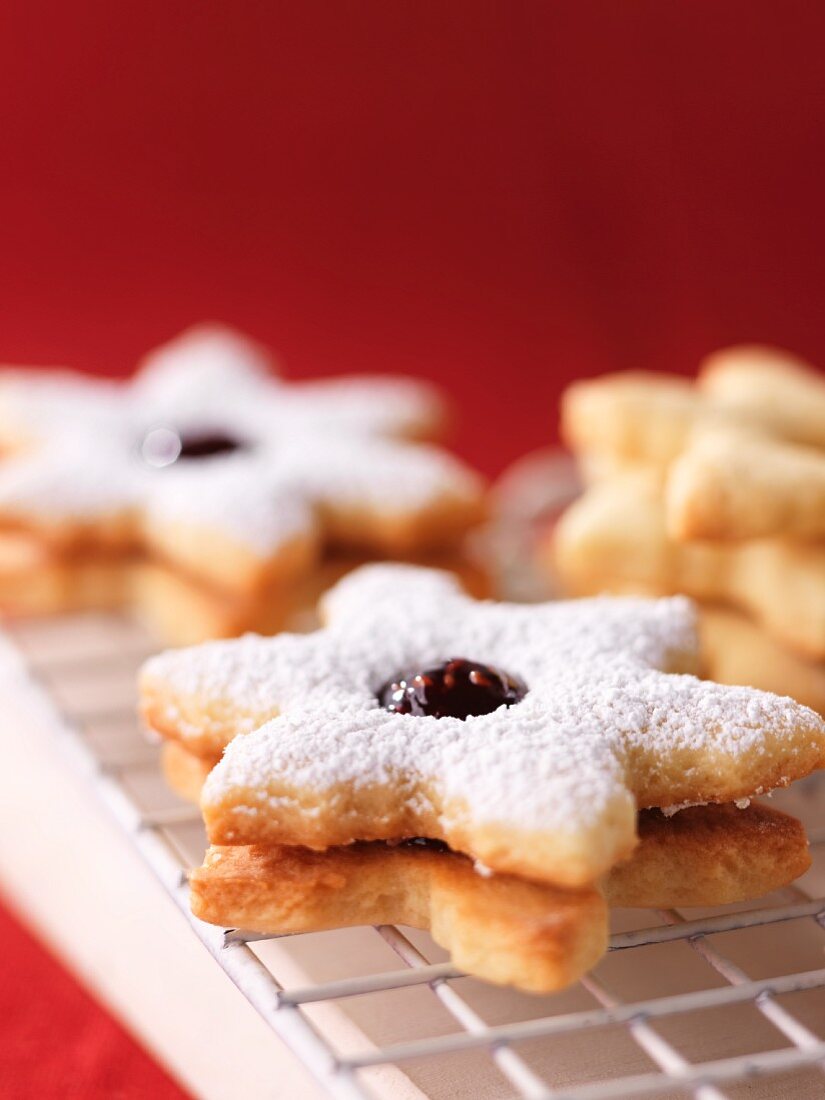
[
  {"x": 83, "y": 669},
  {"x": 482, "y": 1041}
]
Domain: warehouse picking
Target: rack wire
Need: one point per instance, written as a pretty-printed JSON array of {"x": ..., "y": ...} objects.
[{"x": 720, "y": 1004}]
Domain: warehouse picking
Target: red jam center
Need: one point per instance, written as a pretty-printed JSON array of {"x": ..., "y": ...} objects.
[
  {"x": 426, "y": 842},
  {"x": 208, "y": 445},
  {"x": 458, "y": 688}
]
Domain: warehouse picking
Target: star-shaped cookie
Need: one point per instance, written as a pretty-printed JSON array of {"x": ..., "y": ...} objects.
[
  {"x": 207, "y": 461},
  {"x": 500, "y": 927},
  {"x": 601, "y": 717}
]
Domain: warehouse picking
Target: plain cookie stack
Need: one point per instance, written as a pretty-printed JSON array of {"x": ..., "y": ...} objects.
[
  {"x": 496, "y": 773},
  {"x": 715, "y": 489}
]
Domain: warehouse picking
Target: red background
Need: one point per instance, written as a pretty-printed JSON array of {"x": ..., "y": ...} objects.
[{"x": 497, "y": 195}]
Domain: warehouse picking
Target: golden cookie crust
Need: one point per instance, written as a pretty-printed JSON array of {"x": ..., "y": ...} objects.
[
  {"x": 500, "y": 928},
  {"x": 739, "y": 453},
  {"x": 770, "y": 387},
  {"x": 179, "y": 608},
  {"x": 507, "y": 930},
  {"x": 709, "y": 855},
  {"x": 614, "y": 539},
  {"x": 184, "y": 771},
  {"x": 731, "y": 484},
  {"x": 34, "y": 580},
  {"x": 633, "y": 417}
]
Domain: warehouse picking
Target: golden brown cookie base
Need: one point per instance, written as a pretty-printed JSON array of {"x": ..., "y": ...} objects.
[
  {"x": 709, "y": 855},
  {"x": 735, "y": 484},
  {"x": 499, "y": 927},
  {"x": 769, "y": 387},
  {"x": 178, "y": 607},
  {"x": 738, "y": 453},
  {"x": 635, "y": 417},
  {"x": 36, "y": 581},
  {"x": 647, "y": 418},
  {"x": 614, "y": 539},
  {"x": 184, "y": 771}
]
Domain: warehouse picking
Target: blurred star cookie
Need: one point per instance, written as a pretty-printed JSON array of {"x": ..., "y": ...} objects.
[{"x": 215, "y": 487}]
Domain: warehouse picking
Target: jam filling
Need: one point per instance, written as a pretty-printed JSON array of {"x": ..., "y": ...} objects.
[
  {"x": 458, "y": 688},
  {"x": 428, "y": 842},
  {"x": 162, "y": 446},
  {"x": 208, "y": 445}
]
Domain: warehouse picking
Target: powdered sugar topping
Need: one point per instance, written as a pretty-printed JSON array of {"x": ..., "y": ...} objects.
[
  {"x": 304, "y": 447},
  {"x": 608, "y": 696}
]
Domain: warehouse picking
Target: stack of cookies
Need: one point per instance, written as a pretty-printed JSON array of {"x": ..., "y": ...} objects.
[
  {"x": 713, "y": 488},
  {"x": 497, "y": 773},
  {"x": 214, "y": 497}
]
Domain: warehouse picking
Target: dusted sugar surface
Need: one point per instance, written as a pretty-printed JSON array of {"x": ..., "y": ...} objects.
[
  {"x": 304, "y": 448},
  {"x": 609, "y": 718}
]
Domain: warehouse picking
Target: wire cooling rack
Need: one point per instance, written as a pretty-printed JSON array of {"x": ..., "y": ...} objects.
[
  {"x": 681, "y": 1006},
  {"x": 714, "y": 1004}
]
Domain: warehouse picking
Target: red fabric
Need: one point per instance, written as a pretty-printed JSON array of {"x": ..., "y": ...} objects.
[
  {"x": 57, "y": 1043},
  {"x": 499, "y": 196}
]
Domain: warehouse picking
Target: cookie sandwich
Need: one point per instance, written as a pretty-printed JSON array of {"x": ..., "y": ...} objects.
[
  {"x": 497, "y": 773},
  {"x": 214, "y": 497}
]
